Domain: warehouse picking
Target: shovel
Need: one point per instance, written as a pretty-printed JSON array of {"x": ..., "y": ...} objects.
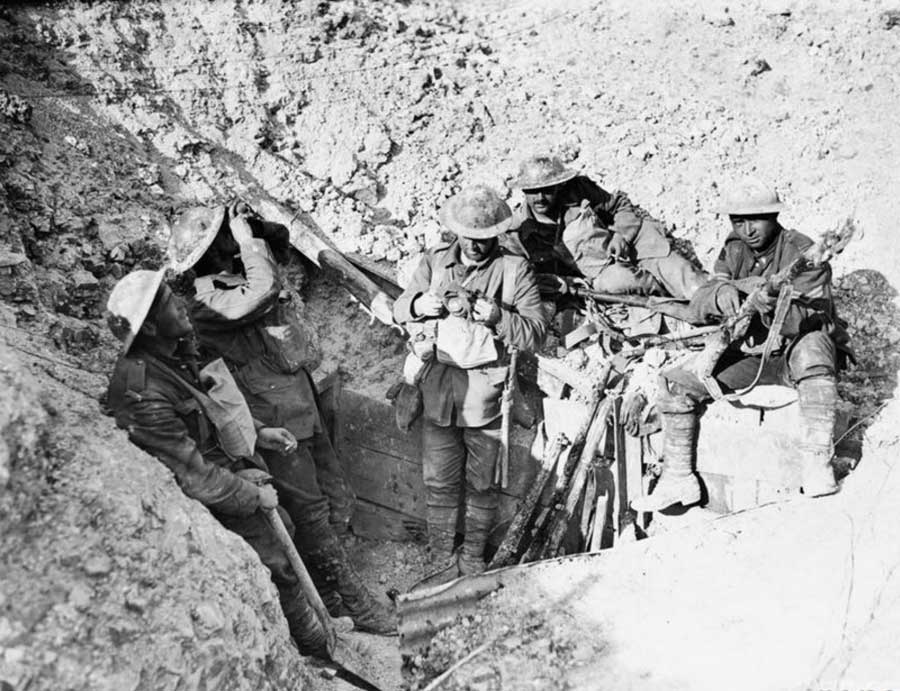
[{"x": 339, "y": 648}]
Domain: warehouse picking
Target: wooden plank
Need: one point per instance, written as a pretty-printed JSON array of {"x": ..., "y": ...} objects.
[
  {"x": 385, "y": 480},
  {"x": 381, "y": 523},
  {"x": 370, "y": 423}
]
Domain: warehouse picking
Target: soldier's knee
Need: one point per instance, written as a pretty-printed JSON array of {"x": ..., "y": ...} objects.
[
  {"x": 813, "y": 355},
  {"x": 616, "y": 279}
]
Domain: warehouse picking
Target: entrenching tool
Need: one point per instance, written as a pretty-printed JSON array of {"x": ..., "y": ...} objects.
[{"x": 339, "y": 648}]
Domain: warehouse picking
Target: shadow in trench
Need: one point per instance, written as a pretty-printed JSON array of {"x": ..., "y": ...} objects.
[{"x": 867, "y": 302}]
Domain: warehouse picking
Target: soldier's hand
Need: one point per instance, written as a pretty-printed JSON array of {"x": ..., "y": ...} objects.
[
  {"x": 763, "y": 301},
  {"x": 268, "y": 497},
  {"x": 728, "y": 300},
  {"x": 276, "y": 439},
  {"x": 486, "y": 311},
  {"x": 618, "y": 248},
  {"x": 428, "y": 305}
]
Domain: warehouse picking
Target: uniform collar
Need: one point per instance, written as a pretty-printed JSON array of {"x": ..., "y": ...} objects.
[{"x": 453, "y": 257}]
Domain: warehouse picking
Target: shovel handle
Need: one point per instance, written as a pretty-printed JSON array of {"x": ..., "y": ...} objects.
[{"x": 306, "y": 582}]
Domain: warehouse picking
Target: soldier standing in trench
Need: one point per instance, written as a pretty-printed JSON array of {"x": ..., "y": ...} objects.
[
  {"x": 568, "y": 226},
  {"x": 482, "y": 301},
  {"x": 240, "y": 310},
  {"x": 168, "y": 406},
  {"x": 812, "y": 343}
]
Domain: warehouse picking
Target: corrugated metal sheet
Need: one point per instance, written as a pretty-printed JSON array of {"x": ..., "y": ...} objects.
[{"x": 423, "y": 613}]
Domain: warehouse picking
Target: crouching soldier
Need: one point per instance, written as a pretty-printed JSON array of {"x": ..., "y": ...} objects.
[
  {"x": 569, "y": 226},
  {"x": 197, "y": 424},
  {"x": 805, "y": 355},
  {"x": 478, "y": 302},
  {"x": 243, "y": 315}
]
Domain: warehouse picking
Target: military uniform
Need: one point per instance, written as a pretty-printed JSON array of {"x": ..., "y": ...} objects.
[
  {"x": 575, "y": 242},
  {"x": 150, "y": 396},
  {"x": 811, "y": 344},
  {"x": 810, "y": 331},
  {"x": 461, "y": 430},
  {"x": 235, "y": 314}
]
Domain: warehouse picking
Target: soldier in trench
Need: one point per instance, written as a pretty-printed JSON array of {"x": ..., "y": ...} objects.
[
  {"x": 468, "y": 302},
  {"x": 244, "y": 315},
  {"x": 569, "y": 227},
  {"x": 196, "y": 423},
  {"x": 810, "y": 347}
]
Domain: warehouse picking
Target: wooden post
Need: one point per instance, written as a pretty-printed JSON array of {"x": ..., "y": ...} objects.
[{"x": 309, "y": 240}]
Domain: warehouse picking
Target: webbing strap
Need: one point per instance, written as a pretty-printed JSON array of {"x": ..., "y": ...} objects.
[{"x": 772, "y": 338}]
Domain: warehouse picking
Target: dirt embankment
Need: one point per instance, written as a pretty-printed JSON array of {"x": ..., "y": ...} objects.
[
  {"x": 368, "y": 116},
  {"x": 112, "y": 578}
]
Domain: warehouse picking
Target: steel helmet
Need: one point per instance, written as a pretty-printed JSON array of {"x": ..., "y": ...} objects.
[
  {"x": 749, "y": 197},
  {"x": 192, "y": 233},
  {"x": 542, "y": 171},
  {"x": 129, "y": 303},
  {"x": 476, "y": 212}
]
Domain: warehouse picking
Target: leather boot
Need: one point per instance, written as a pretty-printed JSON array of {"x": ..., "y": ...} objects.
[
  {"x": 441, "y": 561},
  {"x": 304, "y": 625},
  {"x": 481, "y": 508},
  {"x": 678, "y": 484},
  {"x": 818, "y": 402},
  {"x": 330, "y": 560}
]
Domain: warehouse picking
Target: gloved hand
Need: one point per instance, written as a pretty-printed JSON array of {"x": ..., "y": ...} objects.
[
  {"x": 763, "y": 301},
  {"x": 486, "y": 311},
  {"x": 728, "y": 300},
  {"x": 618, "y": 248}
]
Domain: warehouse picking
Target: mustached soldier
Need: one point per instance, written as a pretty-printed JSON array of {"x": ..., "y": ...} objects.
[{"x": 570, "y": 226}]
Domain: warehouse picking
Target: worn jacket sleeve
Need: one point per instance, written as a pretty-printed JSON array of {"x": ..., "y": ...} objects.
[
  {"x": 216, "y": 299},
  {"x": 614, "y": 207},
  {"x": 418, "y": 284},
  {"x": 153, "y": 425},
  {"x": 524, "y": 325}
]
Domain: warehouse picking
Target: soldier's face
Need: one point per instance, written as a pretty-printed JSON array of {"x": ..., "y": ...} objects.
[
  {"x": 477, "y": 250},
  {"x": 169, "y": 315},
  {"x": 543, "y": 200},
  {"x": 758, "y": 231}
]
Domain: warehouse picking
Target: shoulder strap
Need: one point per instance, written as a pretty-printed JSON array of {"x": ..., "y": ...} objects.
[{"x": 508, "y": 295}]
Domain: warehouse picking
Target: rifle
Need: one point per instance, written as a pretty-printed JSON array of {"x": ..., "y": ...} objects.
[
  {"x": 735, "y": 327},
  {"x": 671, "y": 307},
  {"x": 501, "y": 470}
]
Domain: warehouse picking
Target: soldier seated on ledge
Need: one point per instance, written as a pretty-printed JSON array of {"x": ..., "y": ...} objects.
[
  {"x": 809, "y": 350},
  {"x": 569, "y": 226}
]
